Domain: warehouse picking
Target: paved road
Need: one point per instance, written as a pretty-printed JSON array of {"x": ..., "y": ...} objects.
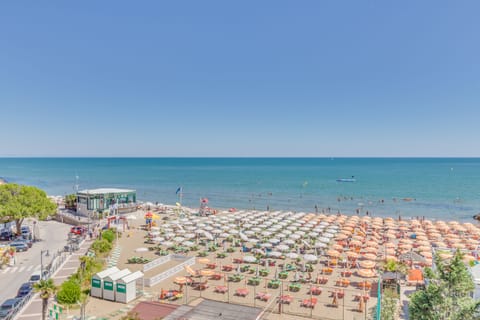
[
  {"x": 33, "y": 309},
  {"x": 53, "y": 237}
]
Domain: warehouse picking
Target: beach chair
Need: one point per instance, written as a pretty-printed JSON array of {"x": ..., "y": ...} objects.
[
  {"x": 285, "y": 299},
  {"x": 201, "y": 285},
  {"x": 221, "y": 289},
  {"x": 309, "y": 303},
  {"x": 242, "y": 292}
]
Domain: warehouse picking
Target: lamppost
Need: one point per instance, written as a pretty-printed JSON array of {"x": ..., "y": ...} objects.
[{"x": 47, "y": 254}]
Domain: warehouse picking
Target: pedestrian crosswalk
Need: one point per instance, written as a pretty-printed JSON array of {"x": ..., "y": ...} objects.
[{"x": 20, "y": 269}]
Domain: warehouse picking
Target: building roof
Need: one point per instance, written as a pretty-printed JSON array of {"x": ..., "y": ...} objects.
[
  {"x": 209, "y": 309},
  {"x": 415, "y": 275},
  {"x": 132, "y": 277},
  {"x": 107, "y": 272},
  {"x": 118, "y": 275},
  {"x": 105, "y": 190}
]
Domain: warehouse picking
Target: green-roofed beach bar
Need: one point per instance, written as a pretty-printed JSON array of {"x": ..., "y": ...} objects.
[{"x": 105, "y": 199}]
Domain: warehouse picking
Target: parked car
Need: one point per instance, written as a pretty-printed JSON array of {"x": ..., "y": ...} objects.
[
  {"x": 8, "y": 306},
  {"x": 24, "y": 290},
  {"x": 6, "y": 234},
  {"x": 29, "y": 243},
  {"x": 26, "y": 232},
  {"x": 35, "y": 277},
  {"x": 19, "y": 245},
  {"x": 79, "y": 230}
]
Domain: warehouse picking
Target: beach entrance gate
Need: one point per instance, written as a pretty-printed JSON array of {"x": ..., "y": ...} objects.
[
  {"x": 109, "y": 283},
  {"x": 126, "y": 287},
  {"x": 97, "y": 281}
]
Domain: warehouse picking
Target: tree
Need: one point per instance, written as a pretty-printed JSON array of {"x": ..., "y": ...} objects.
[
  {"x": 18, "y": 202},
  {"x": 47, "y": 289},
  {"x": 447, "y": 295},
  {"x": 69, "y": 292}
]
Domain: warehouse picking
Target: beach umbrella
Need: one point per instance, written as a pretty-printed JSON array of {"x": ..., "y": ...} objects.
[
  {"x": 207, "y": 272},
  {"x": 282, "y": 247},
  {"x": 274, "y": 241},
  {"x": 333, "y": 253},
  {"x": 178, "y": 239},
  {"x": 367, "y": 264},
  {"x": 249, "y": 259},
  {"x": 320, "y": 245},
  {"x": 141, "y": 249},
  {"x": 180, "y": 280},
  {"x": 188, "y": 243},
  {"x": 266, "y": 245},
  {"x": 292, "y": 255},
  {"x": 309, "y": 257},
  {"x": 167, "y": 243},
  {"x": 158, "y": 239},
  {"x": 289, "y": 242},
  {"x": 369, "y": 256},
  {"x": 189, "y": 235},
  {"x": 275, "y": 254},
  {"x": 203, "y": 260},
  {"x": 324, "y": 239},
  {"x": 366, "y": 273}
]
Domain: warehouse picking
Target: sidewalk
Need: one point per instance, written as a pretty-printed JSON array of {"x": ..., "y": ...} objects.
[{"x": 33, "y": 309}]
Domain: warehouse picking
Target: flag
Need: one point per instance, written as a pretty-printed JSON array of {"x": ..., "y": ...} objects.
[{"x": 178, "y": 190}]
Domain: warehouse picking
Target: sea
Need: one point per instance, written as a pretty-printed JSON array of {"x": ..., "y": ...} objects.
[{"x": 434, "y": 188}]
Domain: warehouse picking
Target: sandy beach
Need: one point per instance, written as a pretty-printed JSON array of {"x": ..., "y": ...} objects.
[{"x": 330, "y": 262}]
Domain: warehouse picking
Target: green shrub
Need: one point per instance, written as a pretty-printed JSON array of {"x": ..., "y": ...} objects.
[
  {"x": 109, "y": 235},
  {"x": 69, "y": 292},
  {"x": 101, "y": 246}
]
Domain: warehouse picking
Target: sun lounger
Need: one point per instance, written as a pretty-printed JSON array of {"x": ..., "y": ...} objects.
[
  {"x": 285, "y": 299},
  {"x": 221, "y": 289},
  {"x": 264, "y": 296},
  {"x": 243, "y": 292},
  {"x": 309, "y": 303}
]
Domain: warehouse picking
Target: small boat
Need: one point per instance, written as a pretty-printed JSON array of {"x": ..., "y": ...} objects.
[{"x": 352, "y": 179}]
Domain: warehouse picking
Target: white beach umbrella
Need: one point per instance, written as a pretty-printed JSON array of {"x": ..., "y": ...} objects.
[
  {"x": 178, "y": 239},
  {"x": 295, "y": 236},
  {"x": 167, "y": 243},
  {"x": 274, "y": 254},
  {"x": 249, "y": 259},
  {"x": 188, "y": 243},
  {"x": 141, "y": 249},
  {"x": 320, "y": 245},
  {"x": 309, "y": 257},
  {"x": 289, "y": 242},
  {"x": 158, "y": 239},
  {"x": 252, "y": 240},
  {"x": 266, "y": 245},
  {"x": 292, "y": 255},
  {"x": 274, "y": 241},
  {"x": 223, "y": 235},
  {"x": 283, "y": 247},
  {"x": 324, "y": 239},
  {"x": 189, "y": 235}
]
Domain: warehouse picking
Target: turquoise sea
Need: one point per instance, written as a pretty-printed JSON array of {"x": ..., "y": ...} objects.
[{"x": 440, "y": 188}]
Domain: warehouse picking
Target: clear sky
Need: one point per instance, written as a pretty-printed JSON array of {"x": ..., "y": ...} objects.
[{"x": 240, "y": 78}]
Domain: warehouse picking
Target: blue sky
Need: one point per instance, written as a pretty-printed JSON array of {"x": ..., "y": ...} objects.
[{"x": 245, "y": 78}]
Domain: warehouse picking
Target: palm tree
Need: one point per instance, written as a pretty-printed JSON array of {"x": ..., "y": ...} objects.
[{"x": 47, "y": 289}]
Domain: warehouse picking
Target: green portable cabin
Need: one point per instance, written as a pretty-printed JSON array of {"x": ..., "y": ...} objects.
[
  {"x": 97, "y": 281},
  {"x": 109, "y": 284},
  {"x": 126, "y": 287}
]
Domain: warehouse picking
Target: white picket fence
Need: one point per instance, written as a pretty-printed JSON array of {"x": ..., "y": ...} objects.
[
  {"x": 150, "y": 282},
  {"x": 156, "y": 262}
]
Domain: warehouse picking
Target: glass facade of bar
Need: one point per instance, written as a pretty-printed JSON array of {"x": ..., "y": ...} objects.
[{"x": 98, "y": 201}]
